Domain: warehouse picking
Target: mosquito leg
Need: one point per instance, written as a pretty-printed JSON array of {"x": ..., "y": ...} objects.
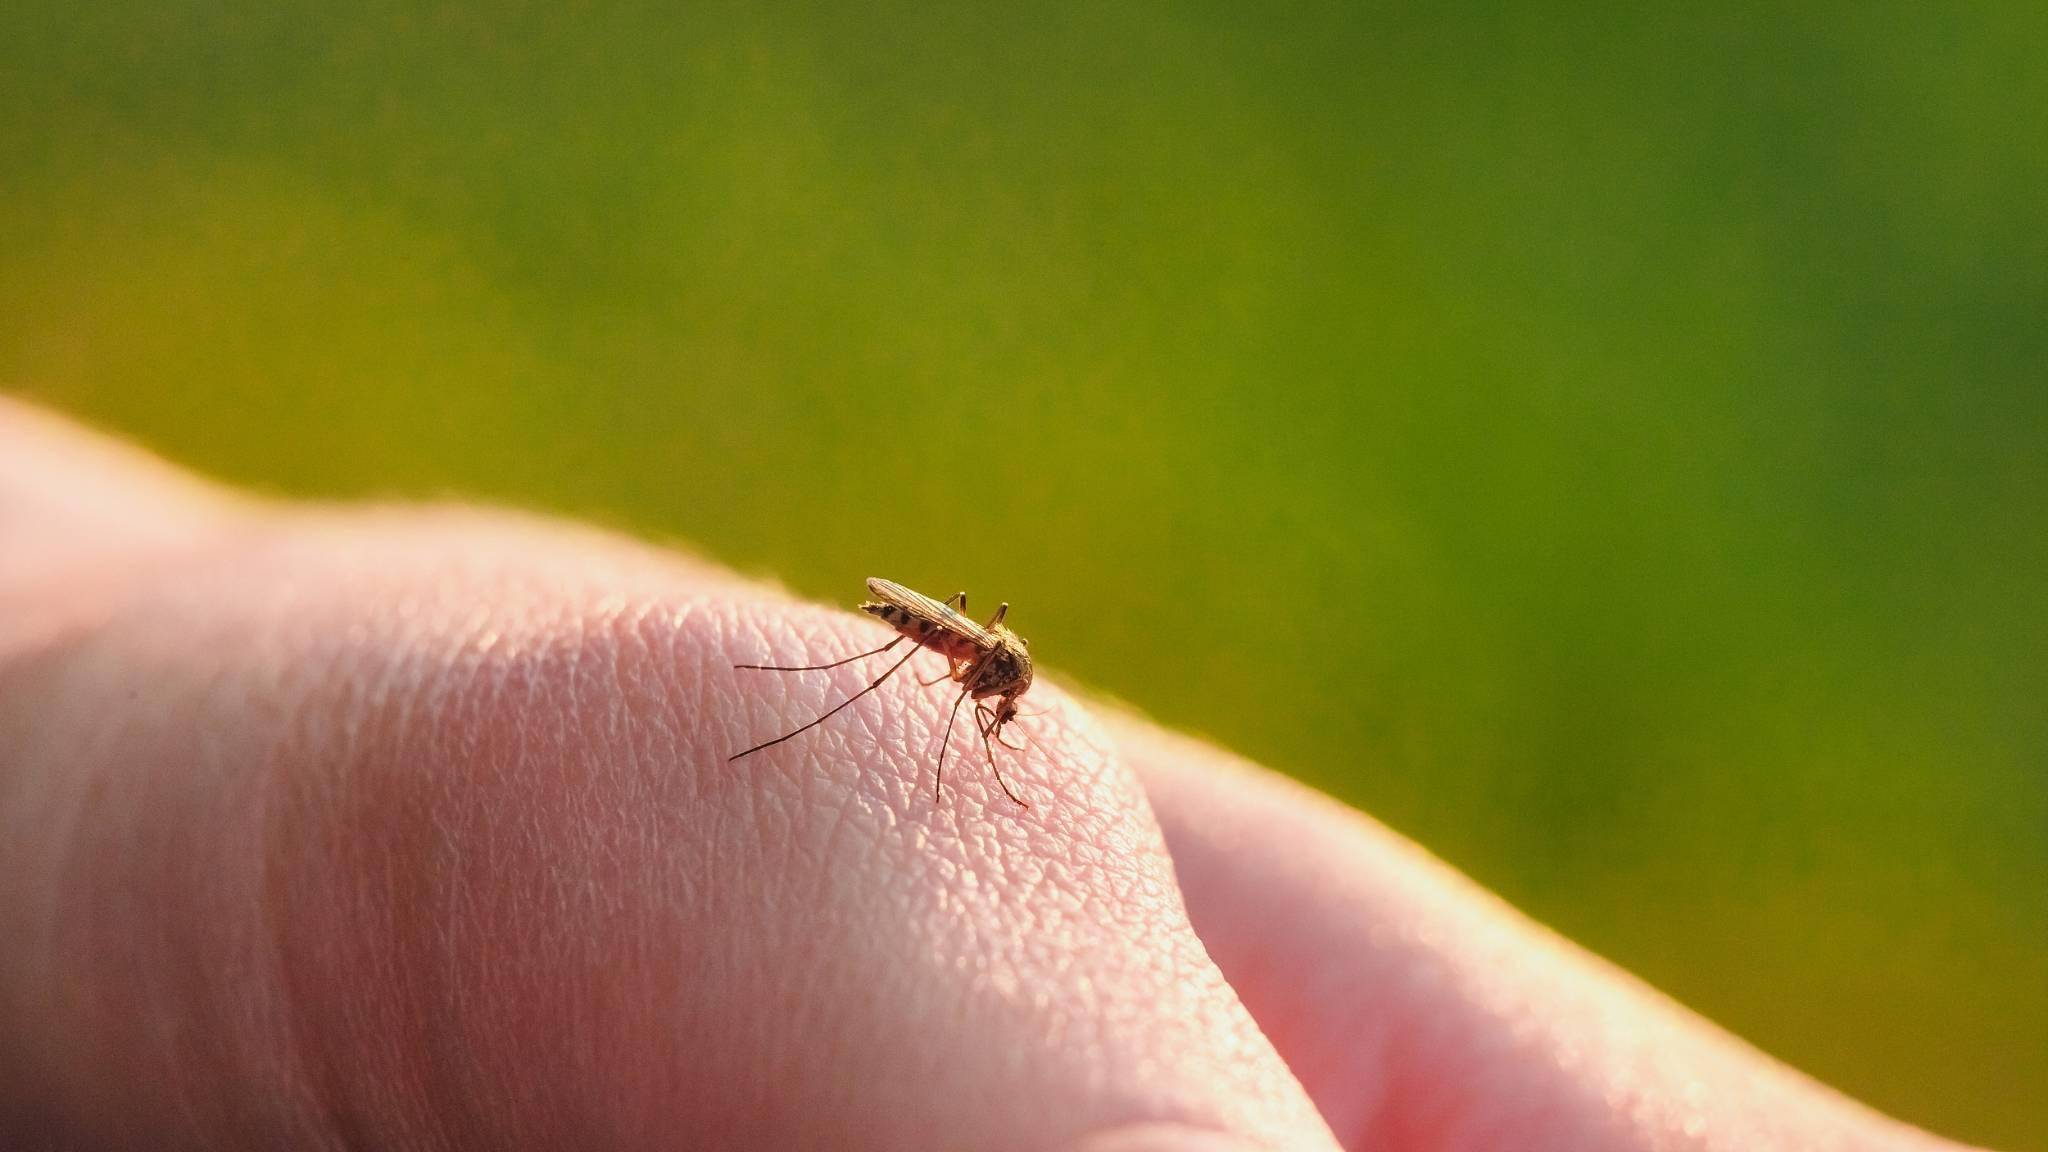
[
  {"x": 872, "y": 685},
  {"x": 946, "y": 675},
  {"x": 998, "y": 771},
  {"x": 939, "y": 777},
  {"x": 959, "y": 598},
  {"x": 821, "y": 667},
  {"x": 985, "y": 719},
  {"x": 1002, "y": 610}
]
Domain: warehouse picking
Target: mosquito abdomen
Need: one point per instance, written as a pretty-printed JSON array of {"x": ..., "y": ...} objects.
[
  {"x": 891, "y": 615},
  {"x": 946, "y": 643}
]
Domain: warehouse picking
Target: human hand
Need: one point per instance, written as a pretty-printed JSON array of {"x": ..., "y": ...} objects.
[{"x": 415, "y": 828}]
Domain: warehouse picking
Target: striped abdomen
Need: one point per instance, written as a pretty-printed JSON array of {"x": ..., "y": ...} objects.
[{"x": 947, "y": 642}]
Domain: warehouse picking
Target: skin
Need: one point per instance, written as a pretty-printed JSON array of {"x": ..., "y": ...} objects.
[{"x": 414, "y": 828}]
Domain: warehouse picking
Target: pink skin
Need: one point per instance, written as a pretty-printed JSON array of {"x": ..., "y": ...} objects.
[{"x": 414, "y": 829}]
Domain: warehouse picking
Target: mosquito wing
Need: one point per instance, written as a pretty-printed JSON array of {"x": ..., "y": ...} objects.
[{"x": 925, "y": 608}]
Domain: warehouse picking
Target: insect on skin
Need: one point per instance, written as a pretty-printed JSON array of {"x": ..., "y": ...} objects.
[{"x": 986, "y": 660}]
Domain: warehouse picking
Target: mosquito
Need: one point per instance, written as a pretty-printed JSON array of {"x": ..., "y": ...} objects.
[{"x": 986, "y": 660}]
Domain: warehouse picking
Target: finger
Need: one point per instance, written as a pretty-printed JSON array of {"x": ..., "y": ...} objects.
[
  {"x": 417, "y": 829},
  {"x": 79, "y": 514},
  {"x": 1421, "y": 1012}
]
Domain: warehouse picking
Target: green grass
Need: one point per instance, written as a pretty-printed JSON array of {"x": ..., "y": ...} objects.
[{"x": 1609, "y": 445}]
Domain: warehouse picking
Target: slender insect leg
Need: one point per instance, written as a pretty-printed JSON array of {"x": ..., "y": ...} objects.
[
  {"x": 1002, "y": 610},
  {"x": 946, "y": 675},
  {"x": 997, "y": 732},
  {"x": 872, "y": 685},
  {"x": 995, "y": 728},
  {"x": 940, "y": 776},
  {"x": 998, "y": 771},
  {"x": 822, "y": 667},
  {"x": 985, "y": 719},
  {"x": 960, "y": 597}
]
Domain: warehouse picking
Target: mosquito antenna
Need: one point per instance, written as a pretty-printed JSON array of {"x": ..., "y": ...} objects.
[
  {"x": 998, "y": 771},
  {"x": 985, "y": 719},
  {"x": 950, "y": 717},
  {"x": 819, "y": 667},
  {"x": 872, "y": 685}
]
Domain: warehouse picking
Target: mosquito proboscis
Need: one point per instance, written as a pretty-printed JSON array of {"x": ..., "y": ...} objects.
[{"x": 990, "y": 663}]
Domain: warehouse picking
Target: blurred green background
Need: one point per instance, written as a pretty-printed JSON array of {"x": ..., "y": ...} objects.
[{"x": 1608, "y": 443}]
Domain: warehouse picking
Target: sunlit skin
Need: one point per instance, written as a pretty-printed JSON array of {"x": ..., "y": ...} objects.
[{"x": 416, "y": 829}]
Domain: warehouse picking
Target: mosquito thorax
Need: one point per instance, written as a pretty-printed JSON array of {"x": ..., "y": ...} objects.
[{"x": 1008, "y": 670}]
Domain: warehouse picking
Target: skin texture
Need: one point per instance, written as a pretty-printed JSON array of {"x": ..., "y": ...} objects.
[{"x": 326, "y": 828}]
